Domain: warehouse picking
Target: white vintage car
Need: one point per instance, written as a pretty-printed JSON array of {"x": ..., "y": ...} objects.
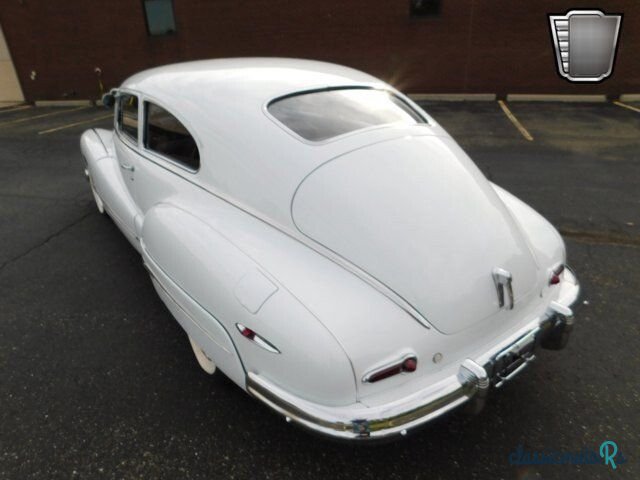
[{"x": 325, "y": 243}]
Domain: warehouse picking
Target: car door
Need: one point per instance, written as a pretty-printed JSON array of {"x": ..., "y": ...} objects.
[
  {"x": 121, "y": 192},
  {"x": 170, "y": 156},
  {"x": 166, "y": 175}
]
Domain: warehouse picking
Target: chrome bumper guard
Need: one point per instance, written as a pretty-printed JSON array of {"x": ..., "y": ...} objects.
[{"x": 471, "y": 384}]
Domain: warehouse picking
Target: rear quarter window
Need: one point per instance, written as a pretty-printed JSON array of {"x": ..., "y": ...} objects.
[{"x": 166, "y": 135}]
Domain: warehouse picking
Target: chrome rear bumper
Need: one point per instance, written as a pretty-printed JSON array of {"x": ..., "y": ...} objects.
[{"x": 471, "y": 383}]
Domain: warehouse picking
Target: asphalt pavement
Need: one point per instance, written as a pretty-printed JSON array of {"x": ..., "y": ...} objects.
[{"x": 98, "y": 381}]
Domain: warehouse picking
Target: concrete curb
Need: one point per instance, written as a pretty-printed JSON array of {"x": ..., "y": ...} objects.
[
  {"x": 453, "y": 97},
  {"x": 517, "y": 97},
  {"x": 630, "y": 97},
  {"x": 5, "y": 105},
  {"x": 64, "y": 103},
  {"x": 526, "y": 97}
]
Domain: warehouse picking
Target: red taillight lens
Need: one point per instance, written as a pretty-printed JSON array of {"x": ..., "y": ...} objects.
[
  {"x": 247, "y": 332},
  {"x": 555, "y": 275},
  {"x": 408, "y": 365},
  {"x": 386, "y": 373}
]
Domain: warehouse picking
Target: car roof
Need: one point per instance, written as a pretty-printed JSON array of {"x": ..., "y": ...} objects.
[
  {"x": 246, "y": 154},
  {"x": 259, "y": 79}
]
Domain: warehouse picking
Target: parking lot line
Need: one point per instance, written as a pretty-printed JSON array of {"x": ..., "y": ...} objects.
[
  {"x": 15, "y": 108},
  {"x": 69, "y": 125},
  {"x": 26, "y": 119},
  {"x": 624, "y": 105},
  {"x": 525, "y": 133}
]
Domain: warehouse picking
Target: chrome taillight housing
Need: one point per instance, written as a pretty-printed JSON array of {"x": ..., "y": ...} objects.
[
  {"x": 250, "y": 334},
  {"x": 554, "y": 279},
  {"x": 407, "y": 364}
]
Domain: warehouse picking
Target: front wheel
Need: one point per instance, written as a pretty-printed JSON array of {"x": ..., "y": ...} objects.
[{"x": 205, "y": 362}]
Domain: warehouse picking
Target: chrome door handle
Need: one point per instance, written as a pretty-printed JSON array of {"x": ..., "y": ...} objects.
[
  {"x": 503, "y": 281},
  {"x": 131, "y": 168}
]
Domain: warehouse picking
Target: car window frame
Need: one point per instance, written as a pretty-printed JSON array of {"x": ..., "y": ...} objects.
[
  {"x": 122, "y": 135},
  {"x": 265, "y": 109},
  {"x": 157, "y": 155}
]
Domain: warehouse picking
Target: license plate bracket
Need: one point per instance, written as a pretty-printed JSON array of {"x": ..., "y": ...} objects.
[{"x": 512, "y": 360}]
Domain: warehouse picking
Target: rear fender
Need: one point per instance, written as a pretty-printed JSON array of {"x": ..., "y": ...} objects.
[
  {"x": 222, "y": 287},
  {"x": 543, "y": 238}
]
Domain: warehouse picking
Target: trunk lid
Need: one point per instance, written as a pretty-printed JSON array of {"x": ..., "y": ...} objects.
[{"x": 417, "y": 214}]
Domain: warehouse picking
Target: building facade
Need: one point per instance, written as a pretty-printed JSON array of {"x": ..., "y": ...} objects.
[{"x": 72, "y": 49}]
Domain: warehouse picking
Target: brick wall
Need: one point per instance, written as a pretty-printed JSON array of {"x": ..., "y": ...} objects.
[{"x": 497, "y": 46}]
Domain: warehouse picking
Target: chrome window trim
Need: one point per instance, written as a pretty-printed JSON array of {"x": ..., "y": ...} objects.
[
  {"x": 122, "y": 135},
  {"x": 148, "y": 99},
  {"x": 270, "y": 116}
]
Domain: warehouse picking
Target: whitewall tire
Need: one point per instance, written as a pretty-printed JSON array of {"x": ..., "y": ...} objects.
[{"x": 205, "y": 362}]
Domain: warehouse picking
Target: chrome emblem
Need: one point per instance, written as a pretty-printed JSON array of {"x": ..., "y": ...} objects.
[
  {"x": 585, "y": 44},
  {"x": 502, "y": 280}
]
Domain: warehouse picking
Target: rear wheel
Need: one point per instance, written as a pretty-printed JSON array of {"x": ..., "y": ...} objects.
[{"x": 205, "y": 362}]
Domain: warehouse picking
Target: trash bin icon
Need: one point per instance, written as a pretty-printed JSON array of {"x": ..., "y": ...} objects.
[{"x": 585, "y": 43}]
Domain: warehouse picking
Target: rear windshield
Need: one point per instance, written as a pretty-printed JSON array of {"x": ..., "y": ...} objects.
[{"x": 325, "y": 114}]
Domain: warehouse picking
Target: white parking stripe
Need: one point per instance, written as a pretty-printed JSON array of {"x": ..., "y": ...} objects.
[
  {"x": 624, "y": 105},
  {"x": 15, "y": 108},
  {"x": 62, "y": 127},
  {"x": 525, "y": 133},
  {"x": 26, "y": 119}
]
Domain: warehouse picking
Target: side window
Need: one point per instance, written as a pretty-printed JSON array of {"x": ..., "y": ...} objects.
[
  {"x": 128, "y": 116},
  {"x": 165, "y": 135}
]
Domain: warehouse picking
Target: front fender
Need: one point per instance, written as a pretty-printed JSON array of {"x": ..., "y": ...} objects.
[
  {"x": 96, "y": 143},
  {"x": 98, "y": 151}
]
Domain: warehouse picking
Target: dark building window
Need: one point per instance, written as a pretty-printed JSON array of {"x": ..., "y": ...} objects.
[
  {"x": 424, "y": 8},
  {"x": 167, "y": 136},
  {"x": 159, "y": 16}
]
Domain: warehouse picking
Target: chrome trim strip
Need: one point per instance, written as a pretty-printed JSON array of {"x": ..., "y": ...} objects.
[
  {"x": 520, "y": 344},
  {"x": 359, "y": 422}
]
